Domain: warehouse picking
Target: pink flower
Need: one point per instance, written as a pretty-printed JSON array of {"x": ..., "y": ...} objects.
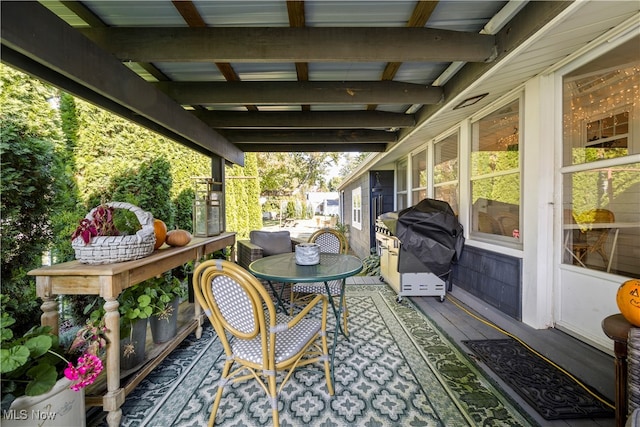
[{"x": 88, "y": 369}]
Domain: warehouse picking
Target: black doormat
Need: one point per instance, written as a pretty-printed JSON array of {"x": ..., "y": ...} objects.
[{"x": 546, "y": 388}]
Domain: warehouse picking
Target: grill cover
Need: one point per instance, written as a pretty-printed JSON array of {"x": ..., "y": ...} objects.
[{"x": 430, "y": 234}]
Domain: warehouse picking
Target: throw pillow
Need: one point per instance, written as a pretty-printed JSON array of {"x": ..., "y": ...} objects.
[{"x": 271, "y": 242}]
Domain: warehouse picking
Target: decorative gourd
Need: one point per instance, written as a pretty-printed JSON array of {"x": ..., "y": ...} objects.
[
  {"x": 160, "y": 230},
  {"x": 628, "y": 300},
  {"x": 178, "y": 237}
]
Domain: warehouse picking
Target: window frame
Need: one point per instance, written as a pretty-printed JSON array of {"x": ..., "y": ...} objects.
[
  {"x": 356, "y": 208},
  {"x": 455, "y": 182},
  {"x": 418, "y": 190},
  {"x": 516, "y": 240}
]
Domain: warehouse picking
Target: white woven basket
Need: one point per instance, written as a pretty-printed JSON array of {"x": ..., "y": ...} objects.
[{"x": 110, "y": 249}]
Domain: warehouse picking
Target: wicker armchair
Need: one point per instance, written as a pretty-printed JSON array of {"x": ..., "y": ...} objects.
[
  {"x": 594, "y": 239},
  {"x": 258, "y": 341},
  {"x": 263, "y": 243}
]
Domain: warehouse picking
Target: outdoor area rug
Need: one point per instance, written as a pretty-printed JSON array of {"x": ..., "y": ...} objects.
[
  {"x": 549, "y": 390},
  {"x": 396, "y": 369}
]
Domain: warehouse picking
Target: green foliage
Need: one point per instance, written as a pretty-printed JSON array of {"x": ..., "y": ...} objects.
[
  {"x": 283, "y": 174},
  {"x": 154, "y": 189},
  {"x": 242, "y": 200},
  {"x": 162, "y": 291},
  {"x": 371, "y": 264},
  {"x": 108, "y": 146},
  {"x": 342, "y": 228},
  {"x": 30, "y": 364},
  {"x": 148, "y": 187},
  {"x": 135, "y": 303},
  {"x": 30, "y": 187},
  {"x": 291, "y": 209},
  {"x": 183, "y": 204}
]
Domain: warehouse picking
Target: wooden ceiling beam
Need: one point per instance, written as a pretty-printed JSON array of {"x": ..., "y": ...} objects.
[
  {"x": 313, "y": 148},
  {"x": 303, "y": 44},
  {"x": 340, "y": 136},
  {"x": 419, "y": 17},
  {"x": 46, "y": 47},
  {"x": 305, "y": 119},
  {"x": 295, "y": 10},
  {"x": 292, "y": 93}
]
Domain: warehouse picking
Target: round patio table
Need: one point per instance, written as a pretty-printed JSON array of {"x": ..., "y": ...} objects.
[{"x": 283, "y": 268}]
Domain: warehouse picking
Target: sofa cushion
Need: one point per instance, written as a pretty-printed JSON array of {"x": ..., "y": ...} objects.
[{"x": 271, "y": 242}]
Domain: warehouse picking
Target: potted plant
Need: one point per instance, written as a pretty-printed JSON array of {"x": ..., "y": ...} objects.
[
  {"x": 36, "y": 370},
  {"x": 165, "y": 292},
  {"x": 135, "y": 309}
]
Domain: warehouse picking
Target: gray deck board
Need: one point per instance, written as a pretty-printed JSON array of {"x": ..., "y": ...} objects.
[{"x": 589, "y": 364}]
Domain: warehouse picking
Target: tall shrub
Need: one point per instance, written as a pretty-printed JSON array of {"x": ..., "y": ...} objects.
[
  {"x": 63, "y": 220},
  {"x": 147, "y": 186},
  {"x": 30, "y": 137},
  {"x": 243, "y": 211},
  {"x": 184, "y": 209}
]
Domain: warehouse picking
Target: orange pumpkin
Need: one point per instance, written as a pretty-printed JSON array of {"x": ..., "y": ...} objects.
[
  {"x": 160, "y": 230},
  {"x": 178, "y": 237},
  {"x": 628, "y": 300}
]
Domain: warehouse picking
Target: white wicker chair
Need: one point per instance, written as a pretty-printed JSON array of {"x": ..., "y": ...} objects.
[
  {"x": 258, "y": 341},
  {"x": 330, "y": 241}
]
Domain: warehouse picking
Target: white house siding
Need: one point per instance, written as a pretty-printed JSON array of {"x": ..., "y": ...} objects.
[
  {"x": 569, "y": 297},
  {"x": 358, "y": 239}
]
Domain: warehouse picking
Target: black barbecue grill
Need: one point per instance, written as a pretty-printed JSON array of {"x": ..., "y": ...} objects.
[{"x": 417, "y": 247}]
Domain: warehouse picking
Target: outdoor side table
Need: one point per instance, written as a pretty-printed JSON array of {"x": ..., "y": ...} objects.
[{"x": 617, "y": 328}]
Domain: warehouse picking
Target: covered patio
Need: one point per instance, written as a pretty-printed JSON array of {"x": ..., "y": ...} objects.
[{"x": 394, "y": 79}]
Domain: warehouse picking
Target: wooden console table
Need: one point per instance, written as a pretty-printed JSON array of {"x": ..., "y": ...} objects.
[{"x": 108, "y": 281}]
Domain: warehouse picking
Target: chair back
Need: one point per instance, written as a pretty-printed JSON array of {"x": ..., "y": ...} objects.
[
  {"x": 487, "y": 224},
  {"x": 602, "y": 216},
  {"x": 599, "y": 216},
  {"x": 234, "y": 301},
  {"x": 509, "y": 222},
  {"x": 330, "y": 241}
]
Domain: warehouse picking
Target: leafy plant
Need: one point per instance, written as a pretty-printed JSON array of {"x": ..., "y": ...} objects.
[
  {"x": 342, "y": 228},
  {"x": 162, "y": 291},
  {"x": 101, "y": 225},
  {"x": 31, "y": 364},
  {"x": 371, "y": 264},
  {"x": 135, "y": 304}
]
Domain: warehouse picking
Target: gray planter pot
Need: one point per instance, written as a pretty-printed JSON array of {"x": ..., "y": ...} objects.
[
  {"x": 137, "y": 338},
  {"x": 163, "y": 329}
]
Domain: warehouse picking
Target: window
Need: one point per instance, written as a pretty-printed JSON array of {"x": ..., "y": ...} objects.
[
  {"x": 495, "y": 175},
  {"x": 401, "y": 174},
  {"x": 601, "y": 175},
  {"x": 356, "y": 208},
  {"x": 418, "y": 176},
  {"x": 445, "y": 171}
]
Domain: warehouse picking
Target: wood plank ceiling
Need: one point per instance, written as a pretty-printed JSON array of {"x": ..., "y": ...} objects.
[{"x": 356, "y": 86}]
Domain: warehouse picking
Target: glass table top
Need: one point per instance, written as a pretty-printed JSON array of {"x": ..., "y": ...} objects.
[{"x": 283, "y": 268}]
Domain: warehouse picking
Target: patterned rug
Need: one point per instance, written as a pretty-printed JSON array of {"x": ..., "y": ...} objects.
[
  {"x": 395, "y": 369},
  {"x": 547, "y": 389}
]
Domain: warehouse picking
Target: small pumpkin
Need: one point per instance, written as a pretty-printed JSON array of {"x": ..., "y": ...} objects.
[
  {"x": 178, "y": 237},
  {"x": 628, "y": 300},
  {"x": 160, "y": 230}
]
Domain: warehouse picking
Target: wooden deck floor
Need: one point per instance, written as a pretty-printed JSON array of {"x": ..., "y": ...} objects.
[{"x": 587, "y": 363}]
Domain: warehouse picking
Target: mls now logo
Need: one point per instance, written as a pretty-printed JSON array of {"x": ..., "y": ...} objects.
[{"x": 23, "y": 414}]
